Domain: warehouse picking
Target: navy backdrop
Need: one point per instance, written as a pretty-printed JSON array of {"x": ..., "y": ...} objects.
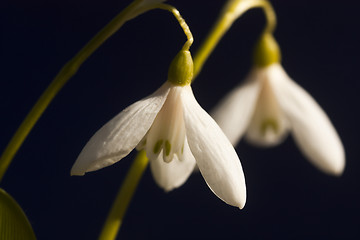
[{"x": 287, "y": 197}]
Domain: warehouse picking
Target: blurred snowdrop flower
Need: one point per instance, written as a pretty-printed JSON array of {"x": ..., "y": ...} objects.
[
  {"x": 176, "y": 134},
  {"x": 270, "y": 104}
]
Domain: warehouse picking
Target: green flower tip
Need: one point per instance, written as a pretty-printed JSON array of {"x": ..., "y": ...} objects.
[
  {"x": 181, "y": 69},
  {"x": 266, "y": 51}
]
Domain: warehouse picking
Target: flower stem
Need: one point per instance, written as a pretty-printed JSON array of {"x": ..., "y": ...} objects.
[
  {"x": 182, "y": 23},
  {"x": 60, "y": 80},
  {"x": 232, "y": 11},
  {"x": 121, "y": 203}
]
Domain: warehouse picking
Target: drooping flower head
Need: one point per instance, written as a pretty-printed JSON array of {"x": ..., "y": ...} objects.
[
  {"x": 269, "y": 105},
  {"x": 176, "y": 134}
]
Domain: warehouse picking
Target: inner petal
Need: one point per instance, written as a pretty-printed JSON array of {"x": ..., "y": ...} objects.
[
  {"x": 268, "y": 126},
  {"x": 168, "y": 130}
]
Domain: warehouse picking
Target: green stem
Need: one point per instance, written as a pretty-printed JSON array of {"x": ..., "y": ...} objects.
[
  {"x": 121, "y": 203},
  {"x": 232, "y": 11},
  {"x": 182, "y": 24},
  {"x": 60, "y": 80}
]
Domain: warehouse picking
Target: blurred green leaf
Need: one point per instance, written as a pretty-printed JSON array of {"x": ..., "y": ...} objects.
[{"x": 14, "y": 224}]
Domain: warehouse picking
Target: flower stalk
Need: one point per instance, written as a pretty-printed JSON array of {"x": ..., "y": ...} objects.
[
  {"x": 231, "y": 12},
  {"x": 123, "y": 198},
  {"x": 182, "y": 24}
]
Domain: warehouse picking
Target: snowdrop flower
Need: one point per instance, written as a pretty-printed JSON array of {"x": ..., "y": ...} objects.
[
  {"x": 270, "y": 104},
  {"x": 176, "y": 134}
]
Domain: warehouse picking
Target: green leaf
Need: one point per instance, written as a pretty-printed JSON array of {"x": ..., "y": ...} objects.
[{"x": 14, "y": 224}]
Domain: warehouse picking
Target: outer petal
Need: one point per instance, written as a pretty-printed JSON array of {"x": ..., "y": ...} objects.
[
  {"x": 312, "y": 129},
  {"x": 119, "y": 136},
  {"x": 235, "y": 111},
  {"x": 173, "y": 174},
  {"x": 214, "y": 154}
]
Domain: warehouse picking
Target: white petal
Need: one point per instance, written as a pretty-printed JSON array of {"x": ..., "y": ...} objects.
[
  {"x": 119, "y": 136},
  {"x": 234, "y": 112},
  {"x": 268, "y": 126},
  {"x": 173, "y": 174},
  {"x": 312, "y": 129},
  {"x": 214, "y": 154}
]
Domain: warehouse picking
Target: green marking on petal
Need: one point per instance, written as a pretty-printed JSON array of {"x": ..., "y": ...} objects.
[
  {"x": 141, "y": 145},
  {"x": 182, "y": 149},
  {"x": 269, "y": 123},
  {"x": 167, "y": 148},
  {"x": 157, "y": 146}
]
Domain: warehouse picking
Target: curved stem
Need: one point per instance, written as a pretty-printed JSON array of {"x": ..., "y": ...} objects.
[
  {"x": 61, "y": 79},
  {"x": 122, "y": 201},
  {"x": 182, "y": 23},
  {"x": 232, "y": 11}
]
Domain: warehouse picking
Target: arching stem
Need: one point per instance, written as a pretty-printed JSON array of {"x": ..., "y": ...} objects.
[
  {"x": 182, "y": 23},
  {"x": 231, "y": 12},
  {"x": 123, "y": 198}
]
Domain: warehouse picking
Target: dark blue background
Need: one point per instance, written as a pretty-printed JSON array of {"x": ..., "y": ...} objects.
[{"x": 287, "y": 197}]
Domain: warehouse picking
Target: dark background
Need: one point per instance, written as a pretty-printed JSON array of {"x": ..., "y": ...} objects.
[{"x": 287, "y": 197}]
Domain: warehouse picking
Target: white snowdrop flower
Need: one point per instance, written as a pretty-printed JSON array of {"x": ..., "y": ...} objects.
[
  {"x": 176, "y": 134},
  {"x": 270, "y": 104}
]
